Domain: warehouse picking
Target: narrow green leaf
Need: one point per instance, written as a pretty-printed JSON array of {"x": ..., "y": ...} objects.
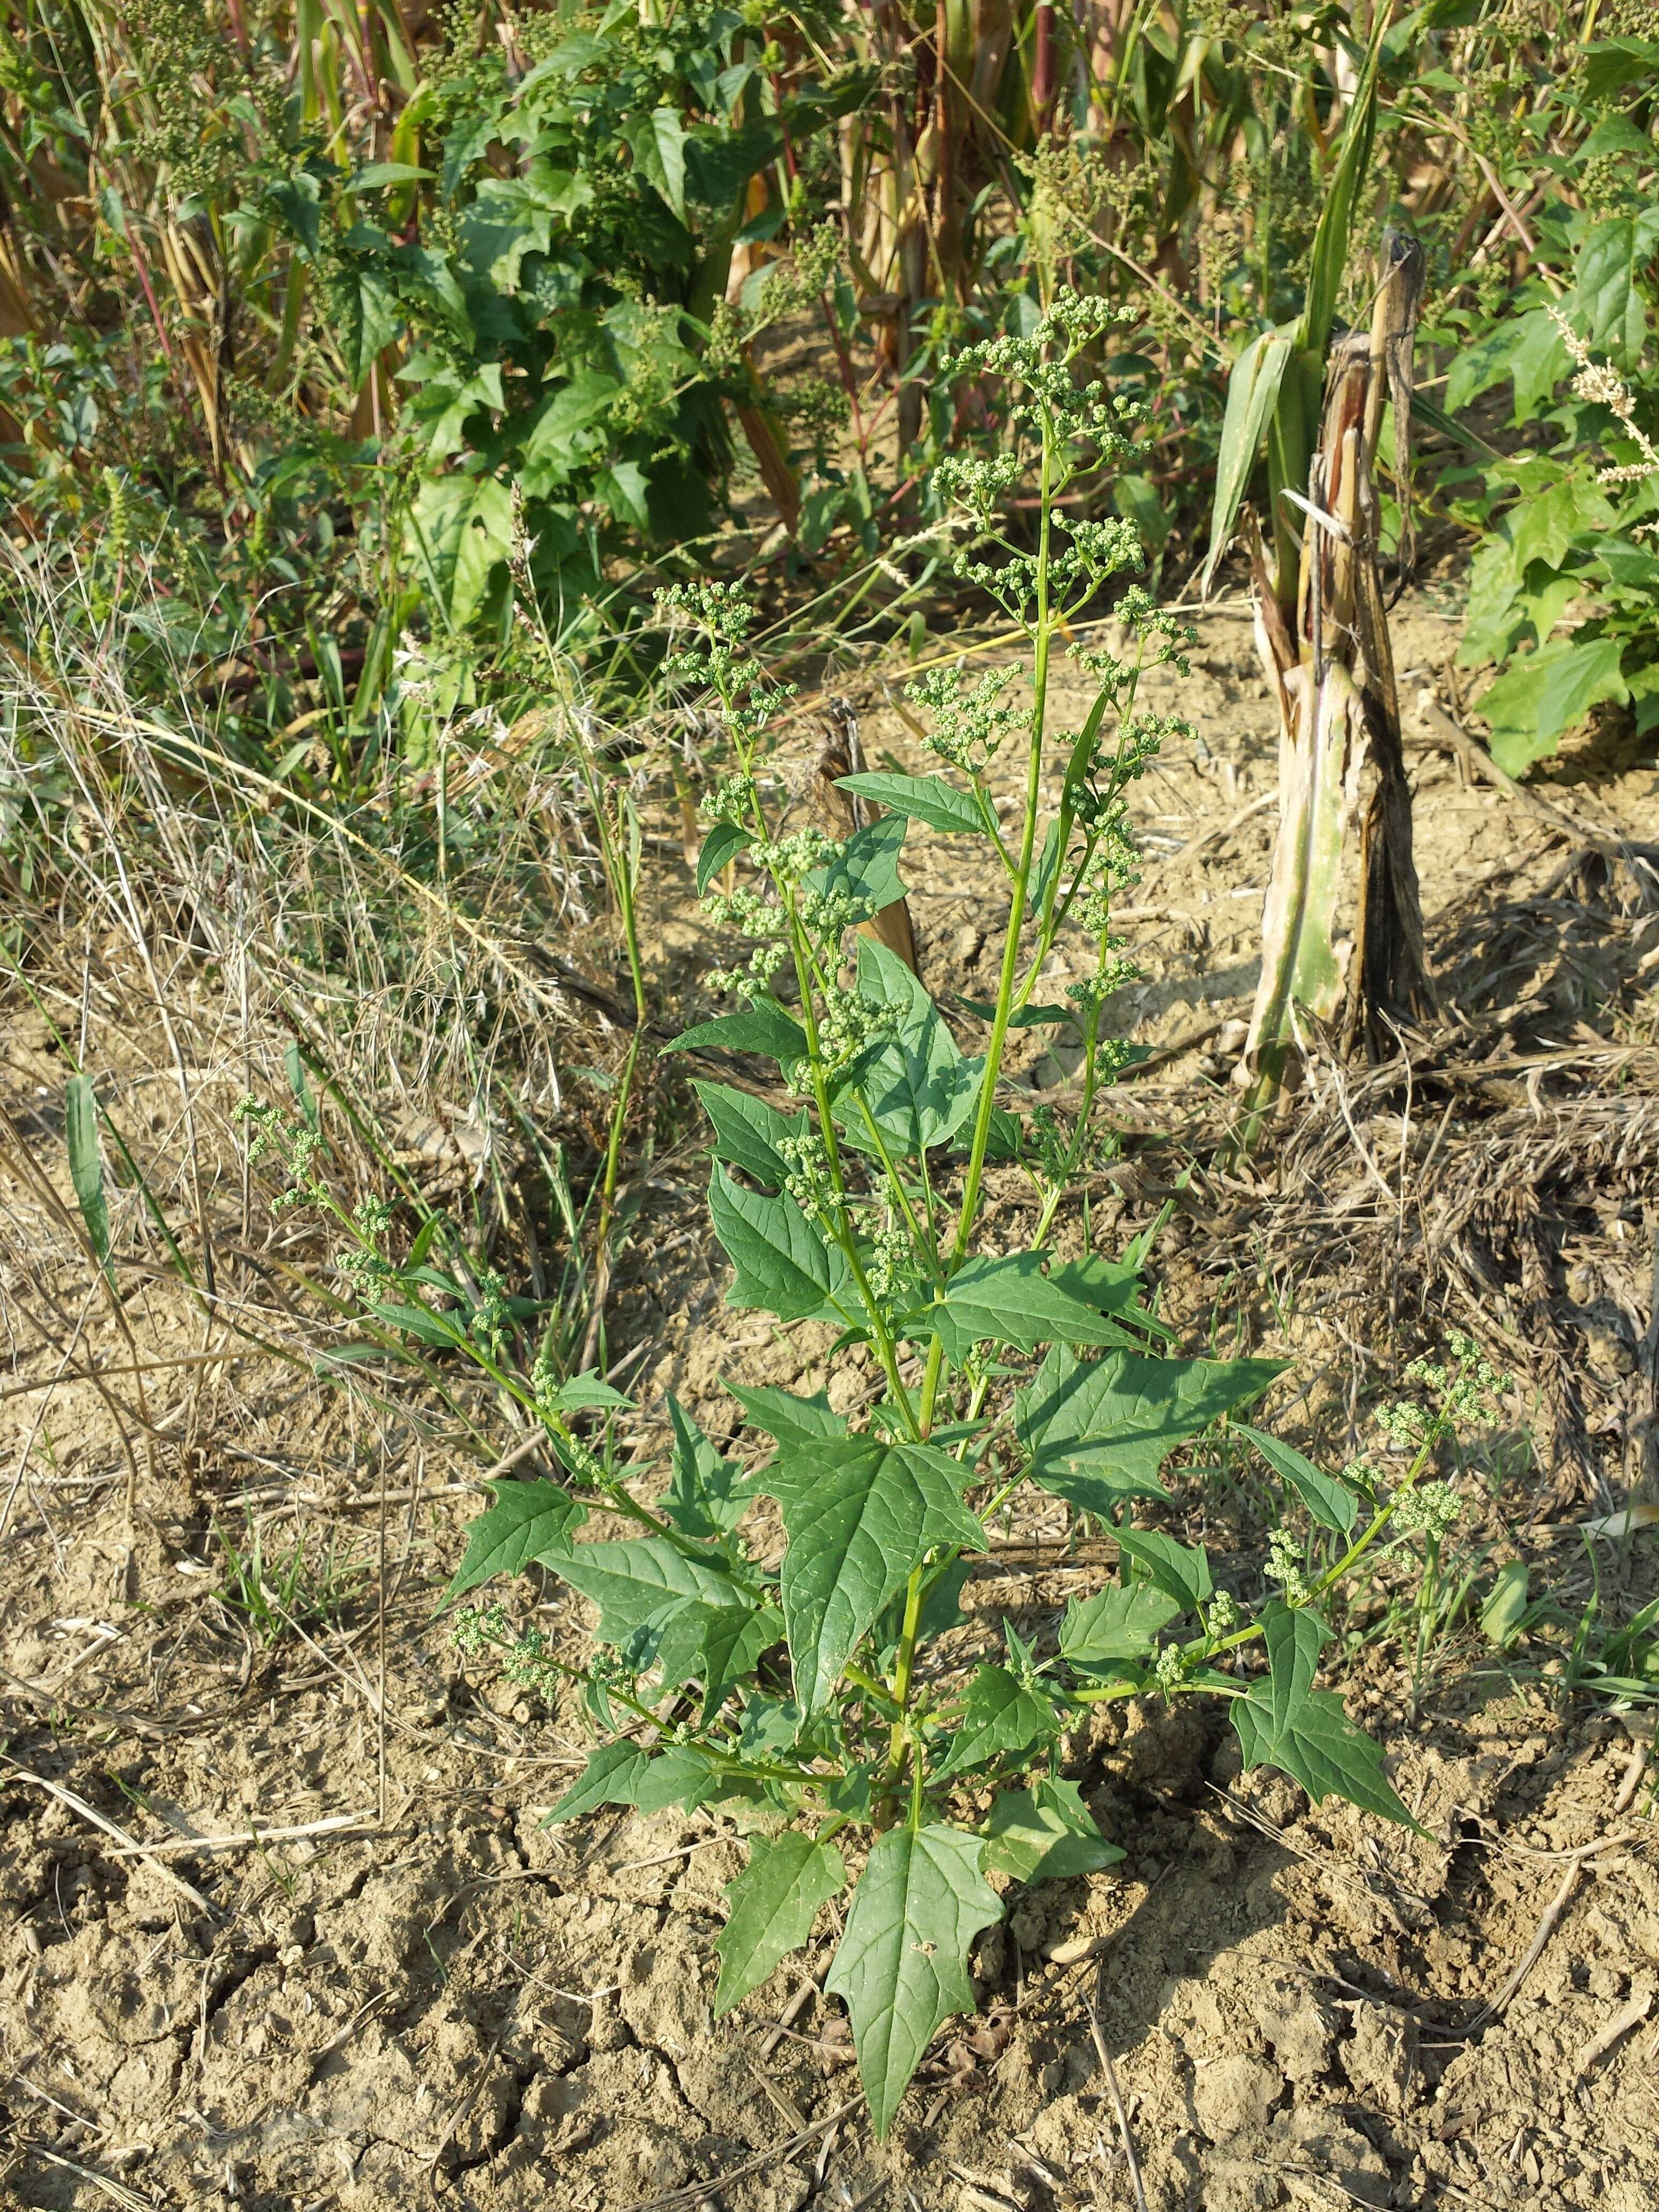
[
  {"x": 860, "y": 1514},
  {"x": 1122, "y": 1623},
  {"x": 1327, "y": 260},
  {"x": 528, "y": 1520},
  {"x": 1285, "y": 1723},
  {"x": 588, "y": 1392},
  {"x": 1505, "y": 1608},
  {"x": 773, "y": 1902},
  {"x": 1330, "y": 1503},
  {"x": 783, "y": 1265},
  {"x": 375, "y": 175},
  {"x": 926, "y": 798},
  {"x": 419, "y": 1321},
  {"x": 1100, "y": 1430},
  {"x": 1045, "y": 1834},
  {"x": 999, "y": 1716},
  {"x": 1252, "y": 395},
  {"x": 902, "y": 1968},
  {"x": 86, "y": 1162},
  {"x": 299, "y": 1082},
  {"x": 1083, "y": 749},
  {"x": 747, "y": 1132},
  {"x": 723, "y": 843},
  {"x": 1180, "y": 1570},
  {"x": 1023, "y": 1018},
  {"x": 763, "y": 1027}
]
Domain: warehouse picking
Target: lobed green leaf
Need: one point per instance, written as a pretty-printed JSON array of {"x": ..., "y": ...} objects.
[
  {"x": 865, "y": 870},
  {"x": 763, "y": 1027},
  {"x": 625, "y": 1774},
  {"x": 785, "y": 1416},
  {"x": 902, "y": 1967},
  {"x": 1099, "y": 1430},
  {"x": 747, "y": 1132},
  {"x": 1285, "y": 1723},
  {"x": 705, "y": 1497},
  {"x": 1123, "y": 1622},
  {"x": 783, "y": 1265},
  {"x": 773, "y": 1902},
  {"x": 530, "y": 1521},
  {"x": 1009, "y": 1301},
  {"x": 1001, "y": 1717},
  {"x": 1044, "y": 1833},
  {"x": 631, "y": 1582},
  {"x": 860, "y": 1514},
  {"x": 1181, "y": 1571}
]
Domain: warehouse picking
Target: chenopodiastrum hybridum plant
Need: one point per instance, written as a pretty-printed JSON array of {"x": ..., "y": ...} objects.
[{"x": 794, "y": 1685}]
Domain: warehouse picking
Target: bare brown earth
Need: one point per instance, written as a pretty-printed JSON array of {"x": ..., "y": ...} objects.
[{"x": 438, "y": 1996}]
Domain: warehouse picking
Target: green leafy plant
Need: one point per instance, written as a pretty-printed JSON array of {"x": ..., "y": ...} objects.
[
  {"x": 277, "y": 1591},
  {"x": 561, "y": 294},
  {"x": 809, "y": 1689},
  {"x": 1562, "y": 585}
]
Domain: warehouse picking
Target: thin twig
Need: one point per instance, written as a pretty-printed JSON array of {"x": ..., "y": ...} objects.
[
  {"x": 243, "y": 1839},
  {"x": 98, "y": 1819},
  {"x": 1116, "y": 2094},
  {"x": 691, "y": 2191},
  {"x": 1546, "y": 1927}
]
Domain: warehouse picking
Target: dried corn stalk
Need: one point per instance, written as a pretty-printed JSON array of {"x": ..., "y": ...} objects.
[{"x": 1339, "y": 714}]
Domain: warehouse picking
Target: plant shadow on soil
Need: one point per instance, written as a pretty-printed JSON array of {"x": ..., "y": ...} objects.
[{"x": 458, "y": 1999}]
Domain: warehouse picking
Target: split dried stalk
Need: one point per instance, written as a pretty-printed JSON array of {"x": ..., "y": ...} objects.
[{"x": 1333, "y": 674}]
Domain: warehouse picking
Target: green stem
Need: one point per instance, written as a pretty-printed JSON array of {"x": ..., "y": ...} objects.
[
  {"x": 903, "y": 1670},
  {"x": 1042, "y": 638}
]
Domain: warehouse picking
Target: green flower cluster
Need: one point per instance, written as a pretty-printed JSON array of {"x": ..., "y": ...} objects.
[
  {"x": 1431, "y": 1510},
  {"x": 970, "y": 722}
]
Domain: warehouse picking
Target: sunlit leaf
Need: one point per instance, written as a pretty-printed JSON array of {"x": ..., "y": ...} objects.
[{"x": 902, "y": 1967}]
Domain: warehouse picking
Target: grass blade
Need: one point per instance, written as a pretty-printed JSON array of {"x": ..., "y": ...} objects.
[{"x": 86, "y": 1164}]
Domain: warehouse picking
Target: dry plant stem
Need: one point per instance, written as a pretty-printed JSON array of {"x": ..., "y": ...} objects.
[
  {"x": 1628, "y": 2016},
  {"x": 244, "y": 1839},
  {"x": 99, "y": 1820},
  {"x": 693, "y": 2193},
  {"x": 141, "y": 944},
  {"x": 1334, "y": 680},
  {"x": 1115, "y": 2093},
  {"x": 1552, "y": 1917},
  {"x": 116, "y": 2191}
]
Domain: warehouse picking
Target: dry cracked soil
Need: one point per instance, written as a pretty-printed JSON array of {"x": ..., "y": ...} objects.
[{"x": 432, "y": 1995}]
